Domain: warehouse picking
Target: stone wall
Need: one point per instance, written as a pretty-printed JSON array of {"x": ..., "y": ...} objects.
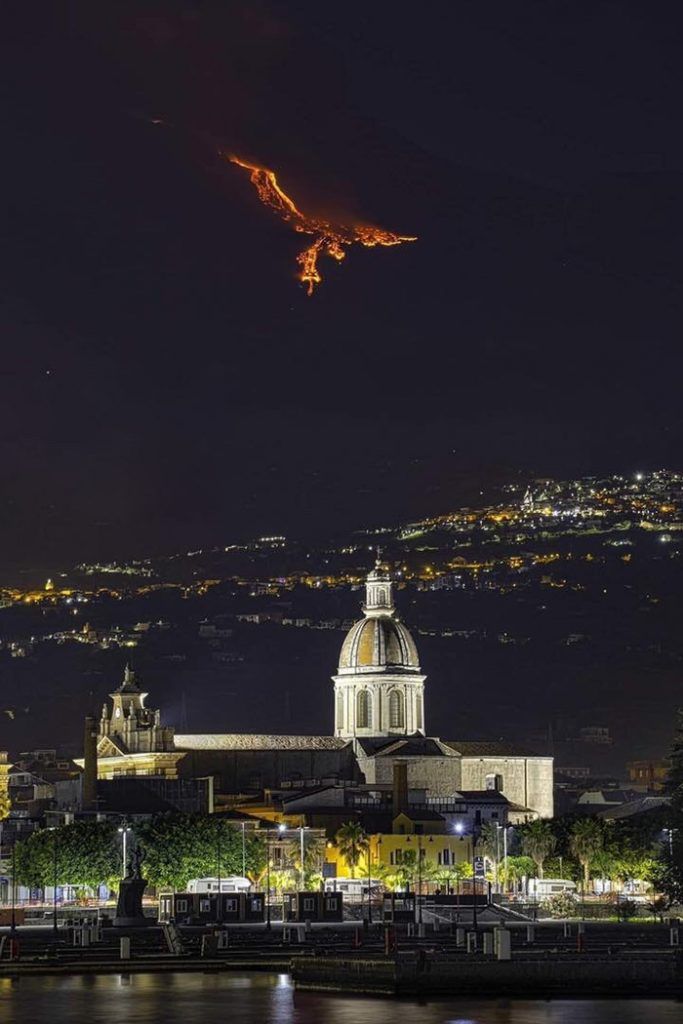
[
  {"x": 526, "y": 781},
  {"x": 439, "y": 775}
]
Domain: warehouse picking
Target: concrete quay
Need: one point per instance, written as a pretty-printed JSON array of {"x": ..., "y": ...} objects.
[{"x": 542, "y": 975}]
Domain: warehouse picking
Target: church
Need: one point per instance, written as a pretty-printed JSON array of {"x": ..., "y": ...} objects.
[{"x": 379, "y": 722}]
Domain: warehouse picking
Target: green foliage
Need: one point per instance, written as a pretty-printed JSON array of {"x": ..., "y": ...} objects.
[
  {"x": 179, "y": 847},
  {"x": 85, "y": 854},
  {"x": 626, "y": 909},
  {"x": 538, "y": 842},
  {"x": 352, "y": 843},
  {"x": 516, "y": 869},
  {"x": 587, "y": 844},
  {"x": 669, "y": 870}
]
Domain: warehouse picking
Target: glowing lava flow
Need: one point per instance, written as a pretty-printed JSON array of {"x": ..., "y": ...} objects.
[{"x": 330, "y": 239}]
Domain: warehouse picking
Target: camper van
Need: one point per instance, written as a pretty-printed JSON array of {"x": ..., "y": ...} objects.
[
  {"x": 234, "y": 883},
  {"x": 355, "y": 888},
  {"x": 542, "y": 888}
]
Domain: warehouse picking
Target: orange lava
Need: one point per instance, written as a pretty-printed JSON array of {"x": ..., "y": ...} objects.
[{"x": 329, "y": 239}]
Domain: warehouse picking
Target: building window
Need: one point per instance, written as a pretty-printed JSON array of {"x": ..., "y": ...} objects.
[
  {"x": 230, "y": 905},
  {"x": 418, "y": 712},
  {"x": 396, "y": 710},
  {"x": 494, "y": 782},
  {"x": 309, "y": 903},
  {"x": 204, "y": 906},
  {"x": 364, "y": 710},
  {"x": 340, "y": 710},
  {"x": 181, "y": 906}
]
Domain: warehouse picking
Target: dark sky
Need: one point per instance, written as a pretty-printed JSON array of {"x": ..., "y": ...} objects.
[{"x": 165, "y": 380}]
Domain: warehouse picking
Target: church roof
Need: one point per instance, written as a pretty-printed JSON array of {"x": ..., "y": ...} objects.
[
  {"x": 403, "y": 746},
  {"x": 488, "y": 748},
  {"x": 381, "y": 643},
  {"x": 256, "y": 741}
]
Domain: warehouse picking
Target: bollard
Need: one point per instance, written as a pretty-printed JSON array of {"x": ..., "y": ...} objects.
[
  {"x": 673, "y": 937},
  {"x": 460, "y": 936},
  {"x": 223, "y": 941},
  {"x": 580, "y": 937},
  {"x": 411, "y": 928},
  {"x": 124, "y": 948},
  {"x": 471, "y": 942},
  {"x": 504, "y": 944},
  {"x": 530, "y": 933},
  {"x": 488, "y": 943},
  {"x": 566, "y": 930},
  {"x": 421, "y": 928},
  {"x": 437, "y": 926}
]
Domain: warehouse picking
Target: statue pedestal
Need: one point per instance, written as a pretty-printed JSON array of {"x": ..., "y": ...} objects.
[{"x": 129, "y": 906}]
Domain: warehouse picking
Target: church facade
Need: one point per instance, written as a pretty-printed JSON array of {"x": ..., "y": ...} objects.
[{"x": 379, "y": 721}]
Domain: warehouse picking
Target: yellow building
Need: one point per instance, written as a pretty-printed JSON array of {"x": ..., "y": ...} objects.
[
  {"x": 423, "y": 841},
  {"x": 4, "y": 784}
]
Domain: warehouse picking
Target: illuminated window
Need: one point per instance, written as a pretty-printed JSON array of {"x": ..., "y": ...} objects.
[
  {"x": 364, "y": 710},
  {"x": 396, "y": 710}
]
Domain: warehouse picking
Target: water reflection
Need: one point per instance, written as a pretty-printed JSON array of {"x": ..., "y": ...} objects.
[{"x": 259, "y": 998}]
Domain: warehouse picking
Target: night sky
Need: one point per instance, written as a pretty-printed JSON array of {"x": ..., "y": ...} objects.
[{"x": 166, "y": 382}]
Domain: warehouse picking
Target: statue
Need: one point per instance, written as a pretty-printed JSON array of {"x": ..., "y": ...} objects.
[{"x": 129, "y": 912}]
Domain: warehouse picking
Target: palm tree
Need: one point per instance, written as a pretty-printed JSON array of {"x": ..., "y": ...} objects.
[
  {"x": 352, "y": 843},
  {"x": 538, "y": 842},
  {"x": 587, "y": 841}
]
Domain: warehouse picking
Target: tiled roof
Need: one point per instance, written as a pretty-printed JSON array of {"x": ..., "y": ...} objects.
[
  {"x": 489, "y": 748},
  {"x": 256, "y": 741}
]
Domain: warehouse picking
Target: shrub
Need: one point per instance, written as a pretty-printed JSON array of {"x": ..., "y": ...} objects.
[{"x": 560, "y": 904}]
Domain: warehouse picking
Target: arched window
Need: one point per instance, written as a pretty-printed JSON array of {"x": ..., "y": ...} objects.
[
  {"x": 364, "y": 710},
  {"x": 397, "y": 718},
  {"x": 418, "y": 712},
  {"x": 340, "y": 710}
]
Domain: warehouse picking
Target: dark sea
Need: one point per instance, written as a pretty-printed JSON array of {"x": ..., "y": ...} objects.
[{"x": 271, "y": 999}]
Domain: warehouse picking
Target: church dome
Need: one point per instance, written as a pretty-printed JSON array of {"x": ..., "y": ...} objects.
[
  {"x": 379, "y": 642},
  {"x": 373, "y": 644}
]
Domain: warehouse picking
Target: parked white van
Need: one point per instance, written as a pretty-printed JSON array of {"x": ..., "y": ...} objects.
[
  {"x": 355, "y": 888},
  {"x": 542, "y": 888},
  {"x": 234, "y": 883}
]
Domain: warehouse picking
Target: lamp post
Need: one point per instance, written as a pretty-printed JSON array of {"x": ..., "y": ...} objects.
[
  {"x": 124, "y": 830},
  {"x": 268, "y": 924},
  {"x": 369, "y": 879},
  {"x": 55, "y": 848},
  {"x": 460, "y": 829},
  {"x": 244, "y": 850},
  {"x": 419, "y": 879},
  {"x": 301, "y": 856},
  {"x": 14, "y": 886}
]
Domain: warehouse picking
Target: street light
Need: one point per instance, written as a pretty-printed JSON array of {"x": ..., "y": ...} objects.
[
  {"x": 244, "y": 851},
  {"x": 124, "y": 830},
  {"x": 55, "y": 845},
  {"x": 459, "y": 828},
  {"x": 280, "y": 828}
]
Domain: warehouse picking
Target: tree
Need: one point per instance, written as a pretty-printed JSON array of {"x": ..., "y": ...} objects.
[
  {"x": 406, "y": 872},
  {"x": 352, "y": 843},
  {"x": 670, "y": 867},
  {"x": 516, "y": 870},
  {"x": 179, "y": 847},
  {"x": 488, "y": 843},
  {"x": 86, "y": 853},
  {"x": 587, "y": 842},
  {"x": 538, "y": 842}
]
